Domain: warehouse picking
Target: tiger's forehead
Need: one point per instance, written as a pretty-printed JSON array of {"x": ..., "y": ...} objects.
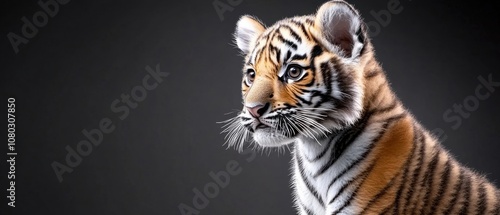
[{"x": 286, "y": 40}]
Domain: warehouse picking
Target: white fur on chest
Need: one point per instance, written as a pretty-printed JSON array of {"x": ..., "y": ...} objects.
[{"x": 327, "y": 185}]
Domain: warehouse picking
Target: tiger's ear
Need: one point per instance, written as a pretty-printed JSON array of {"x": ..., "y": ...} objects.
[
  {"x": 248, "y": 29},
  {"x": 342, "y": 27}
]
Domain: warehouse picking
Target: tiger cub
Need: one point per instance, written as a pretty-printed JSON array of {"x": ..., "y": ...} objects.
[{"x": 313, "y": 82}]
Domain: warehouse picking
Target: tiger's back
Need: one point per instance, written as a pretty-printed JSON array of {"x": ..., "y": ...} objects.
[{"x": 313, "y": 81}]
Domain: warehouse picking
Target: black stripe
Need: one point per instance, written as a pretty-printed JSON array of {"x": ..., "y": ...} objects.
[
  {"x": 326, "y": 73},
  {"x": 302, "y": 28},
  {"x": 314, "y": 94},
  {"x": 351, "y": 197},
  {"x": 322, "y": 98},
  {"x": 254, "y": 54},
  {"x": 326, "y": 98},
  {"x": 394, "y": 118},
  {"x": 377, "y": 91},
  {"x": 255, "y": 49},
  {"x": 353, "y": 164},
  {"x": 386, "y": 209},
  {"x": 293, "y": 33},
  {"x": 277, "y": 52},
  {"x": 344, "y": 141},
  {"x": 288, "y": 55},
  {"x": 306, "y": 33},
  {"x": 454, "y": 196},
  {"x": 302, "y": 100},
  {"x": 322, "y": 153},
  {"x": 497, "y": 205},
  {"x": 388, "y": 108},
  {"x": 372, "y": 74},
  {"x": 308, "y": 184},
  {"x": 422, "y": 188},
  {"x": 307, "y": 210},
  {"x": 310, "y": 21},
  {"x": 466, "y": 195},
  {"x": 481, "y": 205},
  {"x": 327, "y": 77},
  {"x": 291, "y": 44},
  {"x": 278, "y": 58},
  {"x": 445, "y": 177},
  {"x": 398, "y": 199},
  {"x": 345, "y": 83},
  {"x": 361, "y": 177},
  {"x": 259, "y": 55},
  {"x": 429, "y": 178},
  {"x": 299, "y": 57},
  {"x": 418, "y": 169},
  {"x": 315, "y": 52},
  {"x": 380, "y": 193}
]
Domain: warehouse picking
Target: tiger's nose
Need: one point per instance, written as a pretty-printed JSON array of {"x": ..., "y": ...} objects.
[{"x": 257, "y": 110}]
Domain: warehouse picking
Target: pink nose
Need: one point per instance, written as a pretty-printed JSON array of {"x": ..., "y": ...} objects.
[{"x": 258, "y": 110}]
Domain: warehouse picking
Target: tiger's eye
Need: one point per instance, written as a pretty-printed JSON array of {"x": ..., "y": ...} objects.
[
  {"x": 250, "y": 76},
  {"x": 294, "y": 72}
]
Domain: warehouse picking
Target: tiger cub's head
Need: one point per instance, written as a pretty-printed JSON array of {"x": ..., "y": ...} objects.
[{"x": 302, "y": 76}]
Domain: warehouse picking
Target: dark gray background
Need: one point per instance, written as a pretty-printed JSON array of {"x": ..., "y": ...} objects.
[{"x": 66, "y": 77}]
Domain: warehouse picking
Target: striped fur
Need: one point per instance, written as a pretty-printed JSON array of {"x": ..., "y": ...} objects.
[{"x": 313, "y": 82}]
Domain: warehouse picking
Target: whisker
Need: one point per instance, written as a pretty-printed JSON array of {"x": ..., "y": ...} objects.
[
  {"x": 306, "y": 129},
  {"x": 236, "y": 133}
]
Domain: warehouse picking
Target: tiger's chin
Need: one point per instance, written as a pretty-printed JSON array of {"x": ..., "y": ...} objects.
[{"x": 268, "y": 137}]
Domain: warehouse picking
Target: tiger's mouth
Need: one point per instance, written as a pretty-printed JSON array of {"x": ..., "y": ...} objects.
[
  {"x": 258, "y": 123},
  {"x": 270, "y": 131},
  {"x": 261, "y": 126},
  {"x": 276, "y": 128},
  {"x": 284, "y": 126},
  {"x": 269, "y": 137}
]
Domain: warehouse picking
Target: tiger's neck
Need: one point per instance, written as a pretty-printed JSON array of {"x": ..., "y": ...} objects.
[{"x": 325, "y": 167}]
